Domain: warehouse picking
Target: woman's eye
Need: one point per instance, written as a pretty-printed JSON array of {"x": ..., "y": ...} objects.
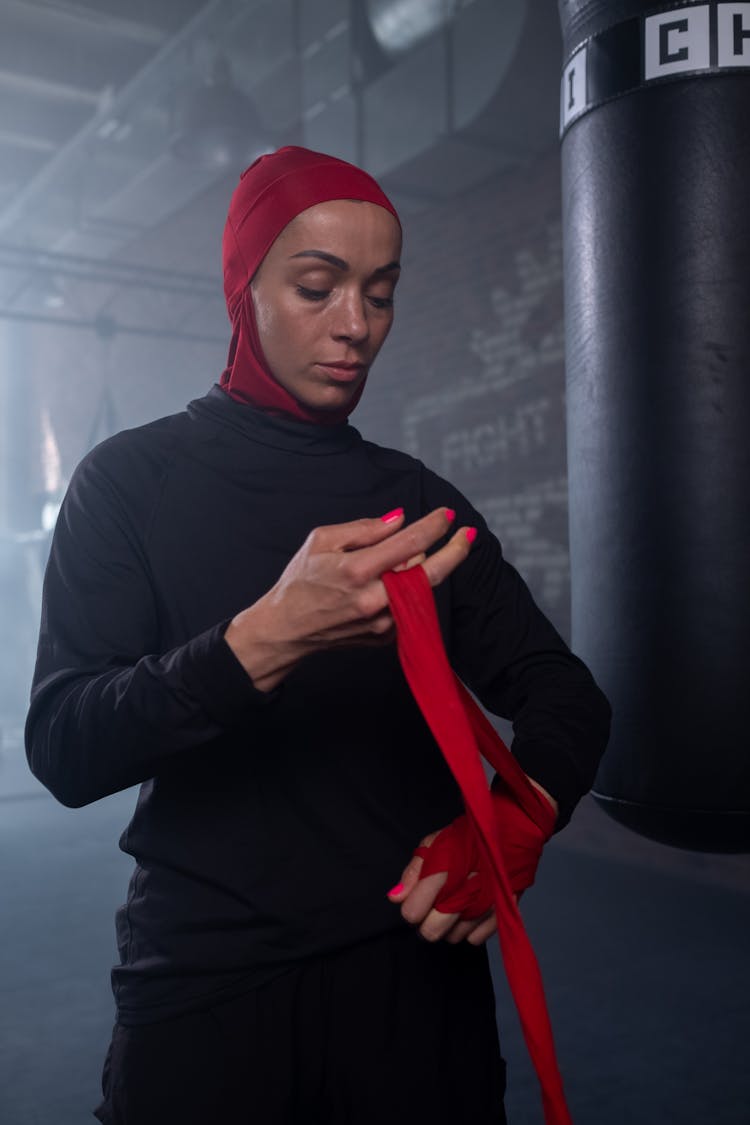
[
  {"x": 321, "y": 294},
  {"x": 312, "y": 294}
]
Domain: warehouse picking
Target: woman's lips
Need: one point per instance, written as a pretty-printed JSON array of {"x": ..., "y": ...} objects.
[{"x": 342, "y": 372}]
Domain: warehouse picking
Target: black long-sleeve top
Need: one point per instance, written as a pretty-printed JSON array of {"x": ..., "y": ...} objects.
[{"x": 269, "y": 826}]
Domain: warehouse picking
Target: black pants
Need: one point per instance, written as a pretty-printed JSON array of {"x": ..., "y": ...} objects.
[{"x": 394, "y": 1029}]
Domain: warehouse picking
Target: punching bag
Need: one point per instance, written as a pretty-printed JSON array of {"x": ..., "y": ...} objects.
[{"x": 655, "y": 127}]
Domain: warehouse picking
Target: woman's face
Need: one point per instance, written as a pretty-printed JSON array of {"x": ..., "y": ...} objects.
[{"x": 323, "y": 298}]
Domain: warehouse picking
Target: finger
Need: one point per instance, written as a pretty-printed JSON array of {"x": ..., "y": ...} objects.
[
  {"x": 418, "y": 903},
  {"x": 363, "y": 636},
  {"x": 488, "y": 924},
  {"x": 410, "y": 874},
  {"x": 357, "y": 533},
  {"x": 443, "y": 562},
  {"x": 483, "y": 930},
  {"x": 464, "y": 926},
  {"x": 437, "y": 925},
  {"x": 378, "y": 629},
  {"x": 415, "y": 560},
  {"x": 374, "y": 640},
  {"x": 406, "y": 543}
]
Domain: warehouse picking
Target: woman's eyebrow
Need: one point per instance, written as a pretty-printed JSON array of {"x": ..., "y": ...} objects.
[{"x": 339, "y": 262}]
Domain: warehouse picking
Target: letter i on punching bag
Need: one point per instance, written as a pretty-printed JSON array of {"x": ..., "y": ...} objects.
[{"x": 655, "y": 125}]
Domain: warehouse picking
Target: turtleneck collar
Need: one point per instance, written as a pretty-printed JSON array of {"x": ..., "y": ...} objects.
[{"x": 278, "y": 431}]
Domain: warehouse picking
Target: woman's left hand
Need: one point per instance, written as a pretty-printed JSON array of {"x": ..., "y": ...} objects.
[{"x": 416, "y": 897}]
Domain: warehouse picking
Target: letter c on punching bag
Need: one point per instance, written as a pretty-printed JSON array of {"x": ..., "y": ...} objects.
[{"x": 655, "y": 123}]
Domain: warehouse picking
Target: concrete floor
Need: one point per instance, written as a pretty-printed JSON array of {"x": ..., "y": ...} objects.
[{"x": 643, "y": 950}]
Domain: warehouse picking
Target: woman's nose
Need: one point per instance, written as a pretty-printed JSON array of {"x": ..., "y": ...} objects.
[{"x": 350, "y": 319}]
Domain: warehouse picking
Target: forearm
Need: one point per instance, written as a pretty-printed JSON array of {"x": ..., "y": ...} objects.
[
  {"x": 560, "y": 733},
  {"x": 91, "y": 735}
]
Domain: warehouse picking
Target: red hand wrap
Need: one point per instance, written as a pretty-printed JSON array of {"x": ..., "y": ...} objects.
[
  {"x": 462, "y": 732},
  {"x": 455, "y": 851}
]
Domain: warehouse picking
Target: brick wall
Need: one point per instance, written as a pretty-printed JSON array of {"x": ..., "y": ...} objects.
[{"x": 471, "y": 379}]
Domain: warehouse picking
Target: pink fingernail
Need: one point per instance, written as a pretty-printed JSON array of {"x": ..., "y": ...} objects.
[
  {"x": 397, "y": 889},
  {"x": 450, "y": 514},
  {"x": 389, "y": 517},
  {"x": 471, "y": 534}
]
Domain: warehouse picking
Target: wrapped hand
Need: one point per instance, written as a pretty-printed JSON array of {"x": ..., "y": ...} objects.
[{"x": 443, "y": 886}]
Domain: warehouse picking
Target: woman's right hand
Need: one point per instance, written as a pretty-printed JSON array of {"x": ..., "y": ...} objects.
[{"x": 330, "y": 593}]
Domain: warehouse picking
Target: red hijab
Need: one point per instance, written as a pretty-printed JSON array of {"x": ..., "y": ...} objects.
[{"x": 271, "y": 192}]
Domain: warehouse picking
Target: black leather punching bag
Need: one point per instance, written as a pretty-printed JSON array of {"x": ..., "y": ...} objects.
[{"x": 655, "y": 122}]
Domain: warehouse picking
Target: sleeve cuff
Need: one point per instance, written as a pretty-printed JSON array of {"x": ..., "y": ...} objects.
[
  {"x": 214, "y": 675},
  {"x": 556, "y": 775}
]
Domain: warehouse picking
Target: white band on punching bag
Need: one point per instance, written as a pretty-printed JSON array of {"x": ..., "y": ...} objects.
[{"x": 672, "y": 41}]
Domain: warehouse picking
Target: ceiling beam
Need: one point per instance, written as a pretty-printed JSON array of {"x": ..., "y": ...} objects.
[
  {"x": 72, "y": 17},
  {"x": 23, "y": 140},
  {"x": 39, "y": 87},
  {"x": 108, "y": 326},
  {"x": 75, "y": 148},
  {"x": 79, "y": 268}
]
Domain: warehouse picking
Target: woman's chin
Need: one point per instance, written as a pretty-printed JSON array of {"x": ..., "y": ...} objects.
[{"x": 330, "y": 399}]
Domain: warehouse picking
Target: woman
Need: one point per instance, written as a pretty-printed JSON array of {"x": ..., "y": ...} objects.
[{"x": 215, "y": 628}]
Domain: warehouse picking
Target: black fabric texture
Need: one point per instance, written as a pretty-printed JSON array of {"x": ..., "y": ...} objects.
[
  {"x": 393, "y": 1029},
  {"x": 268, "y": 827}
]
